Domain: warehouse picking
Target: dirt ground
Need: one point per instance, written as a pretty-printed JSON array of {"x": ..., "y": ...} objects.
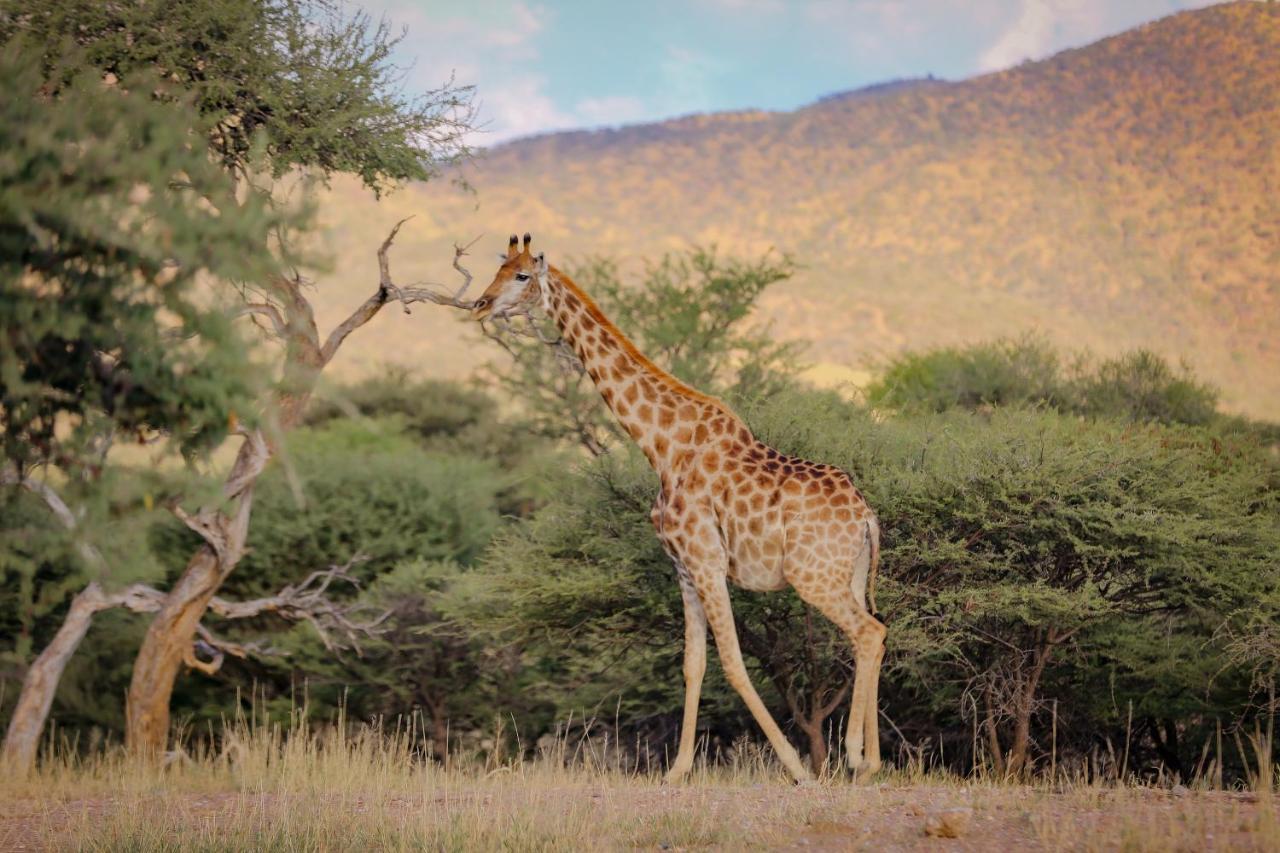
[{"x": 647, "y": 816}]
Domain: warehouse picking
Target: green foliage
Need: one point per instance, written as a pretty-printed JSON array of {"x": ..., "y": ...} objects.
[
  {"x": 585, "y": 592},
  {"x": 1136, "y": 386},
  {"x": 100, "y": 326},
  {"x": 420, "y": 663},
  {"x": 1030, "y": 534},
  {"x": 315, "y": 85},
  {"x": 1142, "y": 386},
  {"x": 1121, "y": 550},
  {"x": 441, "y": 415},
  {"x": 357, "y": 488},
  {"x": 986, "y": 374},
  {"x": 37, "y": 569},
  {"x": 135, "y": 140},
  {"x": 419, "y": 514},
  {"x": 691, "y": 314}
]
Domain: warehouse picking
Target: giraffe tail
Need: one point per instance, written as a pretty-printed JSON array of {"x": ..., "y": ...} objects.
[{"x": 867, "y": 566}]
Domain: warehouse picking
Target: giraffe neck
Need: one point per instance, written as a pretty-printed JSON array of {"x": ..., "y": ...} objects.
[{"x": 658, "y": 411}]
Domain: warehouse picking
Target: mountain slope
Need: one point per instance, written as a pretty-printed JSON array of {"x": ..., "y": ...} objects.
[{"x": 1123, "y": 194}]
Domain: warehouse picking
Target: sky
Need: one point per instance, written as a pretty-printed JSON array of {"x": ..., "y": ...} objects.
[{"x": 545, "y": 65}]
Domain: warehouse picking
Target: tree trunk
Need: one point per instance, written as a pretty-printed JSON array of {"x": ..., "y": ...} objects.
[
  {"x": 163, "y": 648},
  {"x": 22, "y": 741},
  {"x": 817, "y": 743},
  {"x": 1018, "y": 763},
  {"x": 438, "y": 720},
  {"x": 993, "y": 735},
  {"x": 169, "y": 637},
  {"x": 172, "y": 631},
  {"x": 1167, "y": 747}
]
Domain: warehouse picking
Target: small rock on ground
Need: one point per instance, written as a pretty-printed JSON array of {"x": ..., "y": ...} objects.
[{"x": 948, "y": 823}]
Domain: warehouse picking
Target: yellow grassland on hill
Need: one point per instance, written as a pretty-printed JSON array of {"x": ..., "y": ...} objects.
[{"x": 1125, "y": 194}]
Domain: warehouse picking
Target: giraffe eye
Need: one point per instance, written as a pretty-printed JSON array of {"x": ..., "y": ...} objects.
[{"x": 522, "y": 276}]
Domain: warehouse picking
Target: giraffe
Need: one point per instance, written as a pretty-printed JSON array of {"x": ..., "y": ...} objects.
[{"x": 730, "y": 509}]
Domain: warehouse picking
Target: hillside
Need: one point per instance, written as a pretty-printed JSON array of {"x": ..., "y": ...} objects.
[{"x": 1123, "y": 194}]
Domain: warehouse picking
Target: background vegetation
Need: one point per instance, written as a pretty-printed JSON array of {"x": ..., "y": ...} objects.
[
  {"x": 1072, "y": 555},
  {"x": 1080, "y": 553}
]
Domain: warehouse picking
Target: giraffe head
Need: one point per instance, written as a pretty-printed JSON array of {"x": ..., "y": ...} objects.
[{"x": 518, "y": 283}]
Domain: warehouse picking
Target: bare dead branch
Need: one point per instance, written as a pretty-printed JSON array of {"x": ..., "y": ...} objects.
[
  {"x": 60, "y": 510},
  {"x": 250, "y": 463},
  {"x": 458, "y": 253},
  {"x": 370, "y": 306},
  {"x": 410, "y": 295},
  {"x": 265, "y": 309},
  {"x": 210, "y": 525}
]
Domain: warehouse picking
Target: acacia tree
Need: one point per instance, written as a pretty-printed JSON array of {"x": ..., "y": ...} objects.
[
  {"x": 275, "y": 88},
  {"x": 1026, "y": 543}
]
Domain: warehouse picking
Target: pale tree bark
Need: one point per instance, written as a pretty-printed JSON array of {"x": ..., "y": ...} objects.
[
  {"x": 306, "y": 601},
  {"x": 170, "y": 640},
  {"x": 305, "y": 357},
  {"x": 41, "y": 681}
]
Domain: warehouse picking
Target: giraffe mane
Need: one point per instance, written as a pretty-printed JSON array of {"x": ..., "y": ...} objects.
[{"x": 668, "y": 381}]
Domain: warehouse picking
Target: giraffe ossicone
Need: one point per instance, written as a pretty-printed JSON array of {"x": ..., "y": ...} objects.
[{"x": 730, "y": 509}]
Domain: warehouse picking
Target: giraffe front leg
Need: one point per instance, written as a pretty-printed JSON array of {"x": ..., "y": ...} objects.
[
  {"x": 714, "y": 594},
  {"x": 695, "y": 667}
]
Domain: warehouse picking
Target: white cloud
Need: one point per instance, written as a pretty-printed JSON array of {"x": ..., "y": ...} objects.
[
  {"x": 520, "y": 107},
  {"x": 1030, "y": 36},
  {"x": 493, "y": 46},
  {"x": 1042, "y": 27}
]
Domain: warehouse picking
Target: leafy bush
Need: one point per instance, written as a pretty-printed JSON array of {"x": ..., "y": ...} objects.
[
  {"x": 1141, "y": 386},
  {"x": 1024, "y": 552},
  {"x": 362, "y": 488},
  {"x": 1001, "y": 373},
  {"x": 1136, "y": 386}
]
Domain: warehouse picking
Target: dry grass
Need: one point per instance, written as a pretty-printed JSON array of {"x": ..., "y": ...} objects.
[{"x": 323, "y": 790}]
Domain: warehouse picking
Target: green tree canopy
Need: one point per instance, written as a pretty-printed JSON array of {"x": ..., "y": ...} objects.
[
  {"x": 1136, "y": 386},
  {"x": 312, "y": 83},
  {"x": 102, "y": 326}
]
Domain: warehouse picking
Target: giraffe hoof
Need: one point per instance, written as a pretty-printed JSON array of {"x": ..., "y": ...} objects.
[{"x": 865, "y": 769}]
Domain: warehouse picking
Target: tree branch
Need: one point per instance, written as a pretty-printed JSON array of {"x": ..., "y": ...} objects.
[
  {"x": 309, "y": 601},
  {"x": 267, "y": 310},
  {"x": 51, "y": 498}
]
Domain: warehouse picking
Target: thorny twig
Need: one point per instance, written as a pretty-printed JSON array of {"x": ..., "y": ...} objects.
[{"x": 565, "y": 356}]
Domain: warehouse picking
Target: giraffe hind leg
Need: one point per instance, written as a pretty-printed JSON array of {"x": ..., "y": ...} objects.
[{"x": 866, "y": 634}]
